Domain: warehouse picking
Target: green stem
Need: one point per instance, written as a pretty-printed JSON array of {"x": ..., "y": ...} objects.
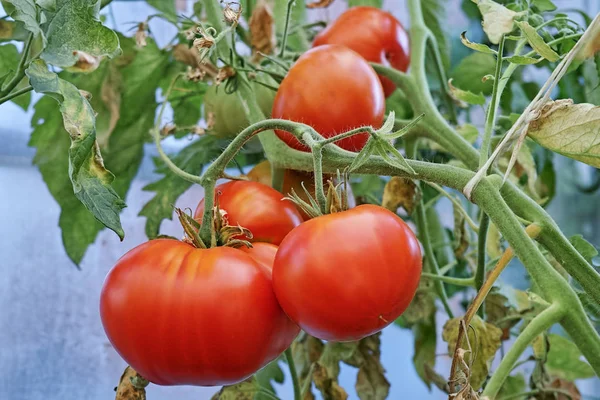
[
  {"x": 20, "y": 73},
  {"x": 484, "y": 224},
  {"x": 290, "y": 360},
  {"x": 437, "y": 59},
  {"x": 450, "y": 279},
  {"x": 317, "y": 152},
  {"x": 457, "y": 204},
  {"x": 277, "y": 176},
  {"x": 17, "y": 93},
  {"x": 490, "y": 120},
  {"x": 286, "y": 27},
  {"x": 538, "y": 324}
]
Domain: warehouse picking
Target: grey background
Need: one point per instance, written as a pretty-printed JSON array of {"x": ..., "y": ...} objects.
[{"x": 52, "y": 345}]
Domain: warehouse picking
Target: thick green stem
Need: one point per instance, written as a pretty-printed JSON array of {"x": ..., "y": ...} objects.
[
  {"x": 20, "y": 73},
  {"x": 277, "y": 177},
  {"x": 484, "y": 223},
  {"x": 290, "y": 360},
  {"x": 490, "y": 120},
  {"x": 554, "y": 240},
  {"x": 539, "y": 324}
]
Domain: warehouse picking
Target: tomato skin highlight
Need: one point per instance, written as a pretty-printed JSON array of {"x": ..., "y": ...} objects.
[
  {"x": 257, "y": 207},
  {"x": 347, "y": 275},
  {"x": 185, "y": 316},
  {"x": 374, "y": 34},
  {"x": 333, "y": 89}
]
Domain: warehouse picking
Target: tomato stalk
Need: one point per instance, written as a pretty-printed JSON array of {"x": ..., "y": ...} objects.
[
  {"x": 286, "y": 27},
  {"x": 290, "y": 360}
]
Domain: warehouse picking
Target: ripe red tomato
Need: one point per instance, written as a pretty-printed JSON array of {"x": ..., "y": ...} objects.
[
  {"x": 347, "y": 275},
  {"x": 374, "y": 34},
  {"x": 257, "y": 207},
  {"x": 186, "y": 316},
  {"x": 332, "y": 89}
]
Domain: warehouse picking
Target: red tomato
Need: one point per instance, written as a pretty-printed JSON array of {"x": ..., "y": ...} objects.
[
  {"x": 257, "y": 207},
  {"x": 347, "y": 275},
  {"x": 185, "y": 316},
  {"x": 374, "y": 34},
  {"x": 334, "y": 90}
]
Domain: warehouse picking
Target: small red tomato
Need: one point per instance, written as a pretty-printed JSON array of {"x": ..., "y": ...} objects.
[
  {"x": 332, "y": 89},
  {"x": 186, "y": 316},
  {"x": 347, "y": 275},
  {"x": 256, "y": 207},
  {"x": 374, "y": 34}
]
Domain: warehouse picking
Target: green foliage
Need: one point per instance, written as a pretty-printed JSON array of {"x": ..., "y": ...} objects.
[
  {"x": 564, "y": 360},
  {"x": 9, "y": 57},
  {"x": 468, "y": 74}
]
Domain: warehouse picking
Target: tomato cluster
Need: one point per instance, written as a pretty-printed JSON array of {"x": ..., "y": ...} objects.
[{"x": 185, "y": 315}]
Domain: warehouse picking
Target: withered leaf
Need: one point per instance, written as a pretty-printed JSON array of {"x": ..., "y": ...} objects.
[
  {"x": 319, "y": 4},
  {"x": 262, "y": 28},
  {"x": 400, "y": 192}
]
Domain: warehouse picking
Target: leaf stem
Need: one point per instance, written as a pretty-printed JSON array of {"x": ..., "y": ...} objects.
[
  {"x": 17, "y": 93},
  {"x": 538, "y": 324},
  {"x": 292, "y": 365},
  {"x": 20, "y": 73},
  {"x": 286, "y": 27},
  {"x": 490, "y": 118},
  {"x": 450, "y": 279},
  {"x": 484, "y": 224}
]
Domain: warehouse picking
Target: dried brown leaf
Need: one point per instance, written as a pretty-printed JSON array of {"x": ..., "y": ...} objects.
[
  {"x": 319, "y": 4},
  {"x": 131, "y": 386},
  {"x": 400, "y": 192},
  {"x": 262, "y": 28}
]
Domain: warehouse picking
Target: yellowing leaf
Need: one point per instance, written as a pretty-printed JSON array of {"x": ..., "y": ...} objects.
[
  {"x": 569, "y": 129},
  {"x": 319, "y": 4},
  {"x": 262, "y": 28},
  {"x": 400, "y": 192},
  {"x": 536, "y": 42},
  {"x": 484, "y": 340},
  {"x": 497, "y": 19},
  {"x": 245, "y": 390}
]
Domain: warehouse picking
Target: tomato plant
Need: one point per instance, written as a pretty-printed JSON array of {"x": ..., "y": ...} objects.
[
  {"x": 256, "y": 207},
  {"x": 342, "y": 275},
  {"x": 321, "y": 78},
  {"x": 374, "y": 34},
  {"x": 347, "y": 275},
  {"x": 185, "y": 316}
]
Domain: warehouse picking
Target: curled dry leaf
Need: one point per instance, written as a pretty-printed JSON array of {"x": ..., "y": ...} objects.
[
  {"x": 319, "y": 4},
  {"x": 141, "y": 35},
  {"x": 569, "y": 129},
  {"x": 223, "y": 74},
  {"x": 567, "y": 390},
  {"x": 232, "y": 12},
  {"x": 131, "y": 386},
  {"x": 85, "y": 63},
  {"x": 400, "y": 192},
  {"x": 245, "y": 390},
  {"x": 497, "y": 19},
  {"x": 262, "y": 28},
  {"x": 484, "y": 339}
]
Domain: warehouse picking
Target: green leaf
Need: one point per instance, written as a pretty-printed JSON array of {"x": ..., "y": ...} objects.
[
  {"x": 168, "y": 189},
  {"x": 12, "y": 30},
  {"x": 272, "y": 372},
  {"x": 435, "y": 17},
  {"x": 536, "y": 41},
  {"x": 369, "y": 3},
  {"x": 26, "y": 12},
  {"x": 497, "y": 19},
  {"x": 468, "y": 74},
  {"x": 484, "y": 340},
  {"x": 468, "y": 132},
  {"x": 167, "y": 7},
  {"x": 569, "y": 129},
  {"x": 564, "y": 360},
  {"x": 9, "y": 58},
  {"x": 75, "y": 27},
  {"x": 245, "y": 390},
  {"x": 523, "y": 60},
  {"x": 585, "y": 248},
  {"x": 392, "y": 156},
  {"x": 122, "y": 149},
  {"x": 544, "y": 5},
  {"x": 465, "y": 96},
  {"x": 482, "y": 48},
  {"x": 513, "y": 385},
  {"x": 91, "y": 180},
  {"x": 425, "y": 345}
]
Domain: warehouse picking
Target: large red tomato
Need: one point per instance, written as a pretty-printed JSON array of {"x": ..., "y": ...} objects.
[
  {"x": 347, "y": 275},
  {"x": 374, "y": 34},
  {"x": 332, "y": 89},
  {"x": 257, "y": 207},
  {"x": 185, "y": 316}
]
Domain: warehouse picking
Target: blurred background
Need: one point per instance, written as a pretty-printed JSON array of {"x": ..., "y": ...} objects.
[{"x": 52, "y": 345}]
